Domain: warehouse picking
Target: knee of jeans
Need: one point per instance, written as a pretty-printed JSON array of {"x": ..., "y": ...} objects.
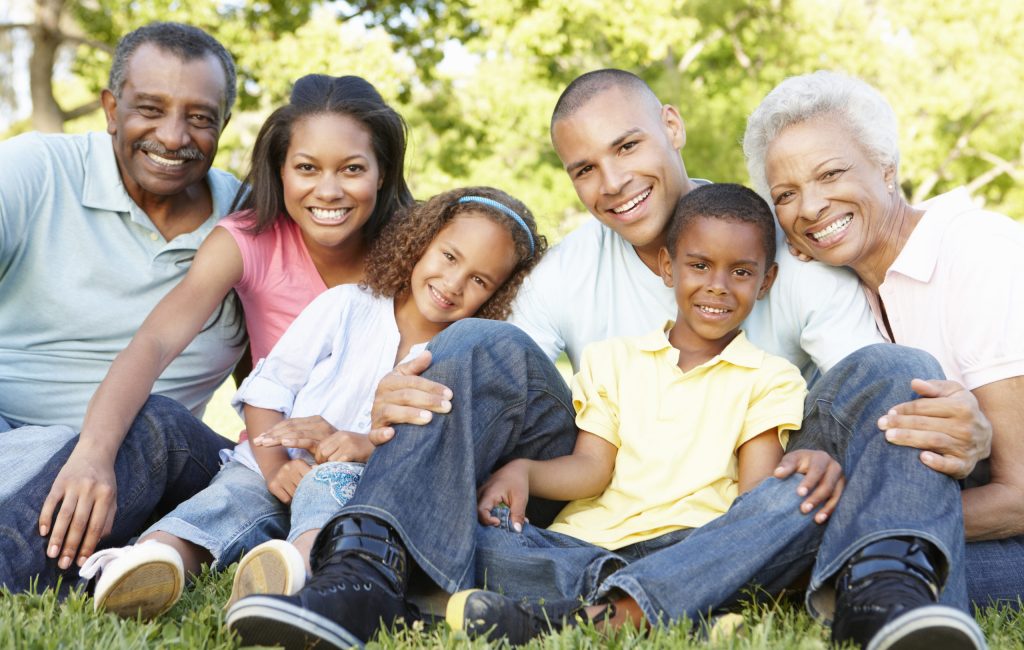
[{"x": 470, "y": 333}]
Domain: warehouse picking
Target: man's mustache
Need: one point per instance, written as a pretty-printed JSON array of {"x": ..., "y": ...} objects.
[{"x": 185, "y": 153}]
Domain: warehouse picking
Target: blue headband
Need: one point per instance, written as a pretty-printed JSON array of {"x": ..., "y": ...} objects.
[{"x": 503, "y": 208}]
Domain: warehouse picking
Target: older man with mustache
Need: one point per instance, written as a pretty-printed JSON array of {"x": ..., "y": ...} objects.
[{"x": 94, "y": 230}]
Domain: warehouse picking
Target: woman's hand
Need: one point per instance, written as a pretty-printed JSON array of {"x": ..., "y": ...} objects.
[
  {"x": 508, "y": 486},
  {"x": 86, "y": 489},
  {"x": 823, "y": 480},
  {"x": 286, "y": 479},
  {"x": 946, "y": 423}
]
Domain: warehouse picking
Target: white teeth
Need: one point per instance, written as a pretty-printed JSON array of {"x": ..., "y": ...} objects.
[
  {"x": 328, "y": 215},
  {"x": 834, "y": 227},
  {"x": 629, "y": 205},
  {"x": 712, "y": 310},
  {"x": 439, "y": 296},
  {"x": 166, "y": 162}
]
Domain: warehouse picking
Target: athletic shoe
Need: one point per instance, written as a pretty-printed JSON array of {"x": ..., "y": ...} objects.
[
  {"x": 490, "y": 615},
  {"x": 275, "y": 567},
  {"x": 143, "y": 580}
]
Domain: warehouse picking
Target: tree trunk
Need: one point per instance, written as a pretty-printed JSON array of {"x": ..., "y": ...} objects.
[{"x": 47, "y": 114}]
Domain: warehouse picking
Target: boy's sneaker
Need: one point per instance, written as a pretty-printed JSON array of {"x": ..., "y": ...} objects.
[
  {"x": 887, "y": 597},
  {"x": 274, "y": 567},
  {"x": 486, "y": 614},
  {"x": 143, "y": 580}
]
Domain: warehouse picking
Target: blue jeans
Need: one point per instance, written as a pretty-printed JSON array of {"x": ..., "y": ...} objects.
[
  {"x": 166, "y": 457},
  {"x": 509, "y": 402},
  {"x": 237, "y": 511},
  {"x": 763, "y": 541}
]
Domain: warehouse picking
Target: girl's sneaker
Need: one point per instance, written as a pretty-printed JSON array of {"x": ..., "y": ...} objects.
[
  {"x": 143, "y": 580},
  {"x": 275, "y": 567}
]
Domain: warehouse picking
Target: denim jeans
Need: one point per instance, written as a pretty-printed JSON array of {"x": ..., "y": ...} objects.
[
  {"x": 509, "y": 402},
  {"x": 32, "y": 446},
  {"x": 166, "y": 457},
  {"x": 237, "y": 511}
]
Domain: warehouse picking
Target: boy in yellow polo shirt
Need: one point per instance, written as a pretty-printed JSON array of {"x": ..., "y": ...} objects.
[{"x": 674, "y": 425}]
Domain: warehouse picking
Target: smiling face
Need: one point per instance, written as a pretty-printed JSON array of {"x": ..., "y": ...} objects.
[
  {"x": 330, "y": 178},
  {"x": 830, "y": 198},
  {"x": 468, "y": 260},
  {"x": 166, "y": 122},
  {"x": 719, "y": 270},
  {"x": 622, "y": 153}
]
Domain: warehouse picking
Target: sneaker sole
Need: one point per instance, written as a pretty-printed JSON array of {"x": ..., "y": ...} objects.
[
  {"x": 268, "y": 569},
  {"x": 266, "y": 621},
  {"x": 147, "y": 590},
  {"x": 455, "y": 610},
  {"x": 930, "y": 628}
]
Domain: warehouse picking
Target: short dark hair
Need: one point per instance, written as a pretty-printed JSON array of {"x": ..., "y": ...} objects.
[
  {"x": 185, "y": 41},
  {"x": 320, "y": 94},
  {"x": 590, "y": 84},
  {"x": 728, "y": 201}
]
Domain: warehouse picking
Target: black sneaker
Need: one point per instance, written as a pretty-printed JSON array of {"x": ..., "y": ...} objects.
[
  {"x": 486, "y": 614},
  {"x": 886, "y": 601},
  {"x": 358, "y": 584}
]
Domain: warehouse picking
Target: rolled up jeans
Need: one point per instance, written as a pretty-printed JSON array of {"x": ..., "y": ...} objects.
[{"x": 167, "y": 456}]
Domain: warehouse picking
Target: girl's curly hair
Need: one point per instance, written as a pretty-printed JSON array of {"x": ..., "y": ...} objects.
[{"x": 407, "y": 235}]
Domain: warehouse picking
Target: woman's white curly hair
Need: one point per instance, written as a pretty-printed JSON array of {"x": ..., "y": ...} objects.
[{"x": 852, "y": 103}]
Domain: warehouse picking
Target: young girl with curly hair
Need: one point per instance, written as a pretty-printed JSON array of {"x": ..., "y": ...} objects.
[{"x": 461, "y": 254}]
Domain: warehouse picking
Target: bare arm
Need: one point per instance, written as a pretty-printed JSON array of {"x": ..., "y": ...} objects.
[
  {"x": 85, "y": 487},
  {"x": 757, "y": 459},
  {"x": 996, "y": 510},
  {"x": 281, "y": 474},
  {"x": 584, "y": 473},
  {"x": 403, "y": 397}
]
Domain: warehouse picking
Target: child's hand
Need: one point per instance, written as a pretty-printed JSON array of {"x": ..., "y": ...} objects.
[
  {"x": 284, "y": 481},
  {"x": 823, "y": 480},
  {"x": 510, "y": 485},
  {"x": 303, "y": 433},
  {"x": 345, "y": 446}
]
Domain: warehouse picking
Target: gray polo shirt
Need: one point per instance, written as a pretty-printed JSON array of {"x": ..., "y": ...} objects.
[{"x": 81, "y": 266}]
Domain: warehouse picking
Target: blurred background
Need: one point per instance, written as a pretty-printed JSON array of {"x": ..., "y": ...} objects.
[{"x": 476, "y": 79}]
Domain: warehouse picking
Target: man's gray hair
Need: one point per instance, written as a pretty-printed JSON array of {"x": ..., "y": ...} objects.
[
  {"x": 850, "y": 102},
  {"x": 185, "y": 41}
]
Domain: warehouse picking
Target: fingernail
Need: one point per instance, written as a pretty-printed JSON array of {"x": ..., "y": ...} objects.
[
  {"x": 518, "y": 527},
  {"x": 892, "y": 412},
  {"x": 806, "y": 507},
  {"x": 820, "y": 517},
  {"x": 802, "y": 491},
  {"x": 448, "y": 394},
  {"x": 890, "y": 435},
  {"x": 53, "y": 551},
  {"x": 425, "y": 416},
  {"x": 42, "y": 531},
  {"x": 65, "y": 562},
  {"x": 883, "y": 422},
  {"x": 81, "y": 560},
  {"x": 446, "y": 406}
]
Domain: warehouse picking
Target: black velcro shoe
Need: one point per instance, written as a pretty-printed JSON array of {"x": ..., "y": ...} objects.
[
  {"x": 486, "y": 614},
  {"x": 358, "y": 584},
  {"x": 887, "y": 595}
]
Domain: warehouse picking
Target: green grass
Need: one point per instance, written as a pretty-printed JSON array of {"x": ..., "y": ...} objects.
[{"x": 31, "y": 621}]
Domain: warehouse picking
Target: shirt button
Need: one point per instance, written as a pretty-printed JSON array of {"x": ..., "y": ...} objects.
[{"x": 154, "y": 236}]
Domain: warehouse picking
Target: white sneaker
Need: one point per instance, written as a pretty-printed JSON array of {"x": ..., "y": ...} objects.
[
  {"x": 275, "y": 567},
  {"x": 142, "y": 580}
]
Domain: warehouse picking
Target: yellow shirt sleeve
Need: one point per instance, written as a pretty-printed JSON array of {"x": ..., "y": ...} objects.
[
  {"x": 777, "y": 401},
  {"x": 595, "y": 392}
]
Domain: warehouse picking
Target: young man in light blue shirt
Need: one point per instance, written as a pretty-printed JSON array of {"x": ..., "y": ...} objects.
[{"x": 94, "y": 230}]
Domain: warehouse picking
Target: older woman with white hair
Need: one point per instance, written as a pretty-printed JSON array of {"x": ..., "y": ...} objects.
[{"x": 943, "y": 276}]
